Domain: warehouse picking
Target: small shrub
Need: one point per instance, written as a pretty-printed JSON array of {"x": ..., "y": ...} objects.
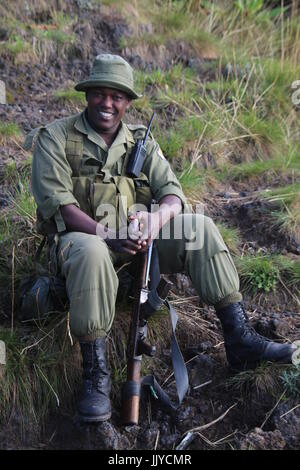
[
  {"x": 291, "y": 381},
  {"x": 230, "y": 236},
  {"x": 191, "y": 178},
  {"x": 70, "y": 96},
  {"x": 263, "y": 130},
  {"x": 9, "y": 130},
  {"x": 60, "y": 37},
  {"x": 258, "y": 273}
]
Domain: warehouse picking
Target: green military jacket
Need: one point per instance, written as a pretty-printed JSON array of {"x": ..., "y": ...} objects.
[{"x": 72, "y": 164}]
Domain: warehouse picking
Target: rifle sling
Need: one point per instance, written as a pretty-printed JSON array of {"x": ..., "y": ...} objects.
[{"x": 180, "y": 372}]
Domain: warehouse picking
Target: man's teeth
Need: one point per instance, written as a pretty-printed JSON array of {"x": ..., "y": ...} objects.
[{"x": 105, "y": 115}]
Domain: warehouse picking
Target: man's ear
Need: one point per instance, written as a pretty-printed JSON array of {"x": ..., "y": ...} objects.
[
  {"x": 129, "y": 103},
  {"x": 86, "y": 94}
]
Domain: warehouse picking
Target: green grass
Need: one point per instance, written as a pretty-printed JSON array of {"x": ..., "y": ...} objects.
[
  {"x": 285, "y": 163},
  {"x": 258, "y": 273},
  {"x": 23, "y": 202},
  {"x": 9, "y": 130},
  {"x": 291, "y": 381},
  {"x": 263, "y": 273},
  {"x": 181, "y": 140},
  {"x": 231, "y": 237},
  {"x": 283, "y": 195},
  {"x": 191, "y": 179},
  {"x": 288, "y": 220},
  {"x": 57, "y": 29},
  {"x": 59, "y": 37},
  {"x": 171, "y": 22},
  {"x": 264, "y": 380},
  {"x": 194, "y": 117},
  {"x": 41, "y": 374},
  {"x": 276, "y": 80},
  {"x": 17, "y": 229},
  {"x": 171, "y": 143},
  {"x": 70, "y": 95},
  {"x": 176, "y": 76},
  {"x": 285, "y": 208},
  {"x": 17, "y": 46},
  {"x": 261, "y": 130}
]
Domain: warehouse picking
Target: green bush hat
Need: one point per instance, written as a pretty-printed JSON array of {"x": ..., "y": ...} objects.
[{"x": 110, "y": 71}]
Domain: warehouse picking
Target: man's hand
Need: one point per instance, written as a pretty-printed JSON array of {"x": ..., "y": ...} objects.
[
  {"x": 150, "y": 223},
  {"x": 149, "y": 226},
  {"x": 126, "y": 240}
]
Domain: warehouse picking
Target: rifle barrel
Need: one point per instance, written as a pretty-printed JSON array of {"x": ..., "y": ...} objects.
[{"x": 148, "y": 129}]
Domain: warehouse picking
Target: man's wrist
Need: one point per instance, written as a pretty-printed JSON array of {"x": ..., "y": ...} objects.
[
  {"x": 167, "y": 212},
  {"x": 104, "y": 232}
]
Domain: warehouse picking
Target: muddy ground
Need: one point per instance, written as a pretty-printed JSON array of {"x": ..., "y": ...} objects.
[{"x": 256, "y": 417}]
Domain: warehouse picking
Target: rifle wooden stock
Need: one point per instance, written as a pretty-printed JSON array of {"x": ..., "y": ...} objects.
[
  {"x": 131, "y": 404},
  {"x": 131, "y": 389},
  {"x": 136, "y": 343}
]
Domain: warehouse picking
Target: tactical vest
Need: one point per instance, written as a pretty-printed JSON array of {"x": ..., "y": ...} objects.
[{"x": 99, "y": 190}]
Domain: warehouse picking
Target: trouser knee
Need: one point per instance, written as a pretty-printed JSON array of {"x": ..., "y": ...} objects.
[{"x": 91, "y": 283}]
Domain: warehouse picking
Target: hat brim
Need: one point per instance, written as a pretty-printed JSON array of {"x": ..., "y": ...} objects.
[{"x": 85, "y": 85}]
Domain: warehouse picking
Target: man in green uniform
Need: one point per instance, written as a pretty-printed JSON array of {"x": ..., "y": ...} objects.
[{"x": 79, "y": 167}]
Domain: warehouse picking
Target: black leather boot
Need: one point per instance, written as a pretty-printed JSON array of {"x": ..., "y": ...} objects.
[
  {"x": 245, "y": 348},
  {"x": 95, "y": 404}
]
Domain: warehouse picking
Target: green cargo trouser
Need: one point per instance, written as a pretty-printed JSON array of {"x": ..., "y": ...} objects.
[{"x": 92, "y": 283}]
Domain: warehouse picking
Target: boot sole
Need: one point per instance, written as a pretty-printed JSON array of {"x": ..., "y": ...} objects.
[{"x": 94, "y": 419}]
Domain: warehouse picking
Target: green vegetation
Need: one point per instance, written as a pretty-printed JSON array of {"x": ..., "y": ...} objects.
[
  {"x": 40, "y": 372},
  {"x": 9, "y": 130},
  {"x": 262, "y": 273},
  {"x": 286, "y": 164},
  {"x": 258, "y": 273},
  {"x": 70, "y": 95},
  {"x": 190, "y": 179},
  {"x": 231, "y": 237},
  {"x": 15, "y": 46},
  {"x": 291, "y": 381},
  {"x": 285, "y": 208},
  {"x": 283, "y": 195},
  {"x": 171, "y": 21},
  {"x": 32, "y": 41},
  {"x": 264, "y": 380}
]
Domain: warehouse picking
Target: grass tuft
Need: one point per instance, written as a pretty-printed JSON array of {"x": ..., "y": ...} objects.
[
  {"x": 262, "y": 381},
  {"x": 70, "y": 95},
  {"x": 291, "y": 381},
  {"x": 9, "y": 130},
  {"x": 258, "y": 273},
  {"x": 231, "y": 237}
]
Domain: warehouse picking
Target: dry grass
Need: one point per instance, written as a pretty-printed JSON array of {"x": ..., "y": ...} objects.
[{"x": 257, "y": 383}]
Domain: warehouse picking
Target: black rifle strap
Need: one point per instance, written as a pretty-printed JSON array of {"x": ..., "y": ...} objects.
[
  {"x": 180, "y": 372},
  {"x": 37, "y": 255}
]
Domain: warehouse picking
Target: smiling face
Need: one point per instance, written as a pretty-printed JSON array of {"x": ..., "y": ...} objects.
[{"x": 106, "y": 108}]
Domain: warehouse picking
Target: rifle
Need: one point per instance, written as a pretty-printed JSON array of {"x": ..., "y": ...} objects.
[{"x": 137, "y": 345}]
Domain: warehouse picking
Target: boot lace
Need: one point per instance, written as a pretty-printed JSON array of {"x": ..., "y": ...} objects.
[{"x": 249, "y": 331}]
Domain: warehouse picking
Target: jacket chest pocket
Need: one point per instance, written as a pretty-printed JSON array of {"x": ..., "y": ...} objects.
[
  {"x": 74, "y": 154},
  {"x": 103, "y": 200},
  {"x": 89, "y": 166},
  {"x": 112, "y": 200}
]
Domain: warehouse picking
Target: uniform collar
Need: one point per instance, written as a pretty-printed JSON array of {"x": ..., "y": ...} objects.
[{"x": 123, "y": 137}]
